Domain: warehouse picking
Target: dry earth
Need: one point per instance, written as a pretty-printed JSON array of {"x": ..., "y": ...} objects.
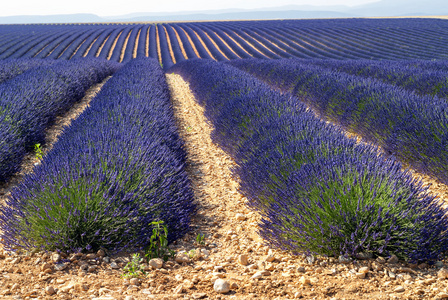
[{"x": 232, "y": 252}]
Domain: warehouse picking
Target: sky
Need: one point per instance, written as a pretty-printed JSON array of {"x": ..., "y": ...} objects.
[{"x": 109, "y": 8}]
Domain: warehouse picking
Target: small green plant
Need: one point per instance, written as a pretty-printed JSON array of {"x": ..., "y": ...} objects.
[
  {"x": 200, "y": 239},
  {"x": 158, "y": 247},
  {"x": 133, "y": 268},
  {"x": 189, "y": 128},
  {"x": 38, "y": 151},
  {"x": 161, "y": 65}
]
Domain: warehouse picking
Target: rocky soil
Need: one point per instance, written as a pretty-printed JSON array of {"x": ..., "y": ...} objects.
[{"x": 231, "y": 263}]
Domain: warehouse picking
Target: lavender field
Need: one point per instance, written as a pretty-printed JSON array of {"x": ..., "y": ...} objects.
[{"x": 282, "y": 97}]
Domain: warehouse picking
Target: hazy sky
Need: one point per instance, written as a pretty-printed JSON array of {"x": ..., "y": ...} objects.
[{"x": 109, "y": 8}]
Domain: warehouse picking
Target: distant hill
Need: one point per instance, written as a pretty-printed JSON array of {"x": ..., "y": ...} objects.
[{"x": 383, "y": 8}]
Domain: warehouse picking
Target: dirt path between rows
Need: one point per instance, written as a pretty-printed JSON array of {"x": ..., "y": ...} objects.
[{"x": 232, "y": 250}]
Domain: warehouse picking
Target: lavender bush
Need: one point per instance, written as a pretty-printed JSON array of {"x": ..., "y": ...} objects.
[
  {"x": 411, "y": 127},
  {"x": 30, "y": 102},
  {"x": 317, "y": 190},
  {"x": 115, "y": 170}
]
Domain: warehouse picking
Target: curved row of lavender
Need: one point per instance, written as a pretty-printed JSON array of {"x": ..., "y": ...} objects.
[
  {"x": 10, "y": 68},
  {"x": 317, "y": 191},
  {"x": 30, "y": 102},
  {"x": 411, "y": 127},
  {"x": 114, "y": 170},
  {"x": 420, "y": 80}
]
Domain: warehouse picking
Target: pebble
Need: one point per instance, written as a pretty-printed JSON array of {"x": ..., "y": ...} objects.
[
  {"x": 60, "y": 267},
  {"x": 240, "y": 217},
  {"x": 381, "y": 260},
  {"x": 199, "y": 295},
  {"x": 399, "y": 289},
  {"x": 49, "y": 290},
  {"x": 363, "y": 270},
  {"x": 443, "y": 273},
  {"x": 179, "y": 289},
  {"x": 234, "y": 286},
  {"x": 393, "y": 259},
  {"x": 257, "y": 275},
  {"x": 243, "y": 260},
  {"x": 344, "y": 260},
  {"x": 303, "y": 280},
  {"x": 361, "y": 275},
  {"x": 101, "y": 253},
  {"x": 156, "y": 263},
  {"x": 134, "y": 281},
  {"x": 442, "y": 295},
  {"x": 181, "y": 258},
  {"x": 114, "y": 265},
  {"x": 129, "y": 298},
  {"x": 56, "y": 257},
  {"x": 270, "y": 258},
  {"x": 221, "y": 286}
]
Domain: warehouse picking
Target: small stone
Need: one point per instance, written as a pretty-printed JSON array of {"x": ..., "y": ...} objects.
[
  {"x": 56, "y": 257},
  {"x": 381, "y": 260},
  {"x": 399, "y": 289},
  {"x": 45, "y": 266},
  {"x": 81, "y": 287},
  {"x": 156, "y": 263},
  {"x": 310, "y": 259},
  {"x": 101, "y": 253},
  {"x": 199, "y": 295},
  {"x": 91, "y": 268},
  {"x": 106, "y": 259},
  {"x": 129, "y": 298},
  {"x": 361, "y": 275},
  {"x": 114, "y": 265},
  {"x": 240, "y": 217},
  {"x": 49, "y": 290},
  {"x": 67, "y": 288},
  {"x": 303, "y": 280},
  {"x": 179, "y": 289},
  {"x": 257, "y": 275},
  {"x": 60, "y": 267},
  {"x": 134, "y": 281},
  {"x": 423, "y": 266},
  {"x": 221, "y": 286},
  {"x": 393, "y": 259},
  {"x": 243, "y": 260},
  {"x": 344, "y": 260},
  {"x": 181, "y": 258},
  {"x": 439, "y": 264},
  {"x": 301, "y": 269},
  {"x": 234, "y": 286},
  {"x": 364, "y": 256},
  {"x": 179, "y": 277},
  {"x": 363, "y": 270},
  {"x": 270, "y": 258},
  {"x": 443, "y": 273},
  {"x": 442, "y": 295},
  {"x": 269, "y": 267},
  {"x": 91, "y": 256},
  {"x": 103, "y": 291}
]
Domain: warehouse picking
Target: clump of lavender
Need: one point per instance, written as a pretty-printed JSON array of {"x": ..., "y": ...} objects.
[
  {"x": 317, "y": 190},
  {"x": 117, "y": 169}
]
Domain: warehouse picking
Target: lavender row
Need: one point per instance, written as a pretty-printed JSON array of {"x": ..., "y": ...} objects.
[
  {"x": 116, "y": 169},
  {"x": 12, "y": 67},
  {"x": 31, "y": 101},
  {"x": 316, "y": 190},
  {"x": 411, "y": 127},
  {"x": 422, "y": 82}
]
